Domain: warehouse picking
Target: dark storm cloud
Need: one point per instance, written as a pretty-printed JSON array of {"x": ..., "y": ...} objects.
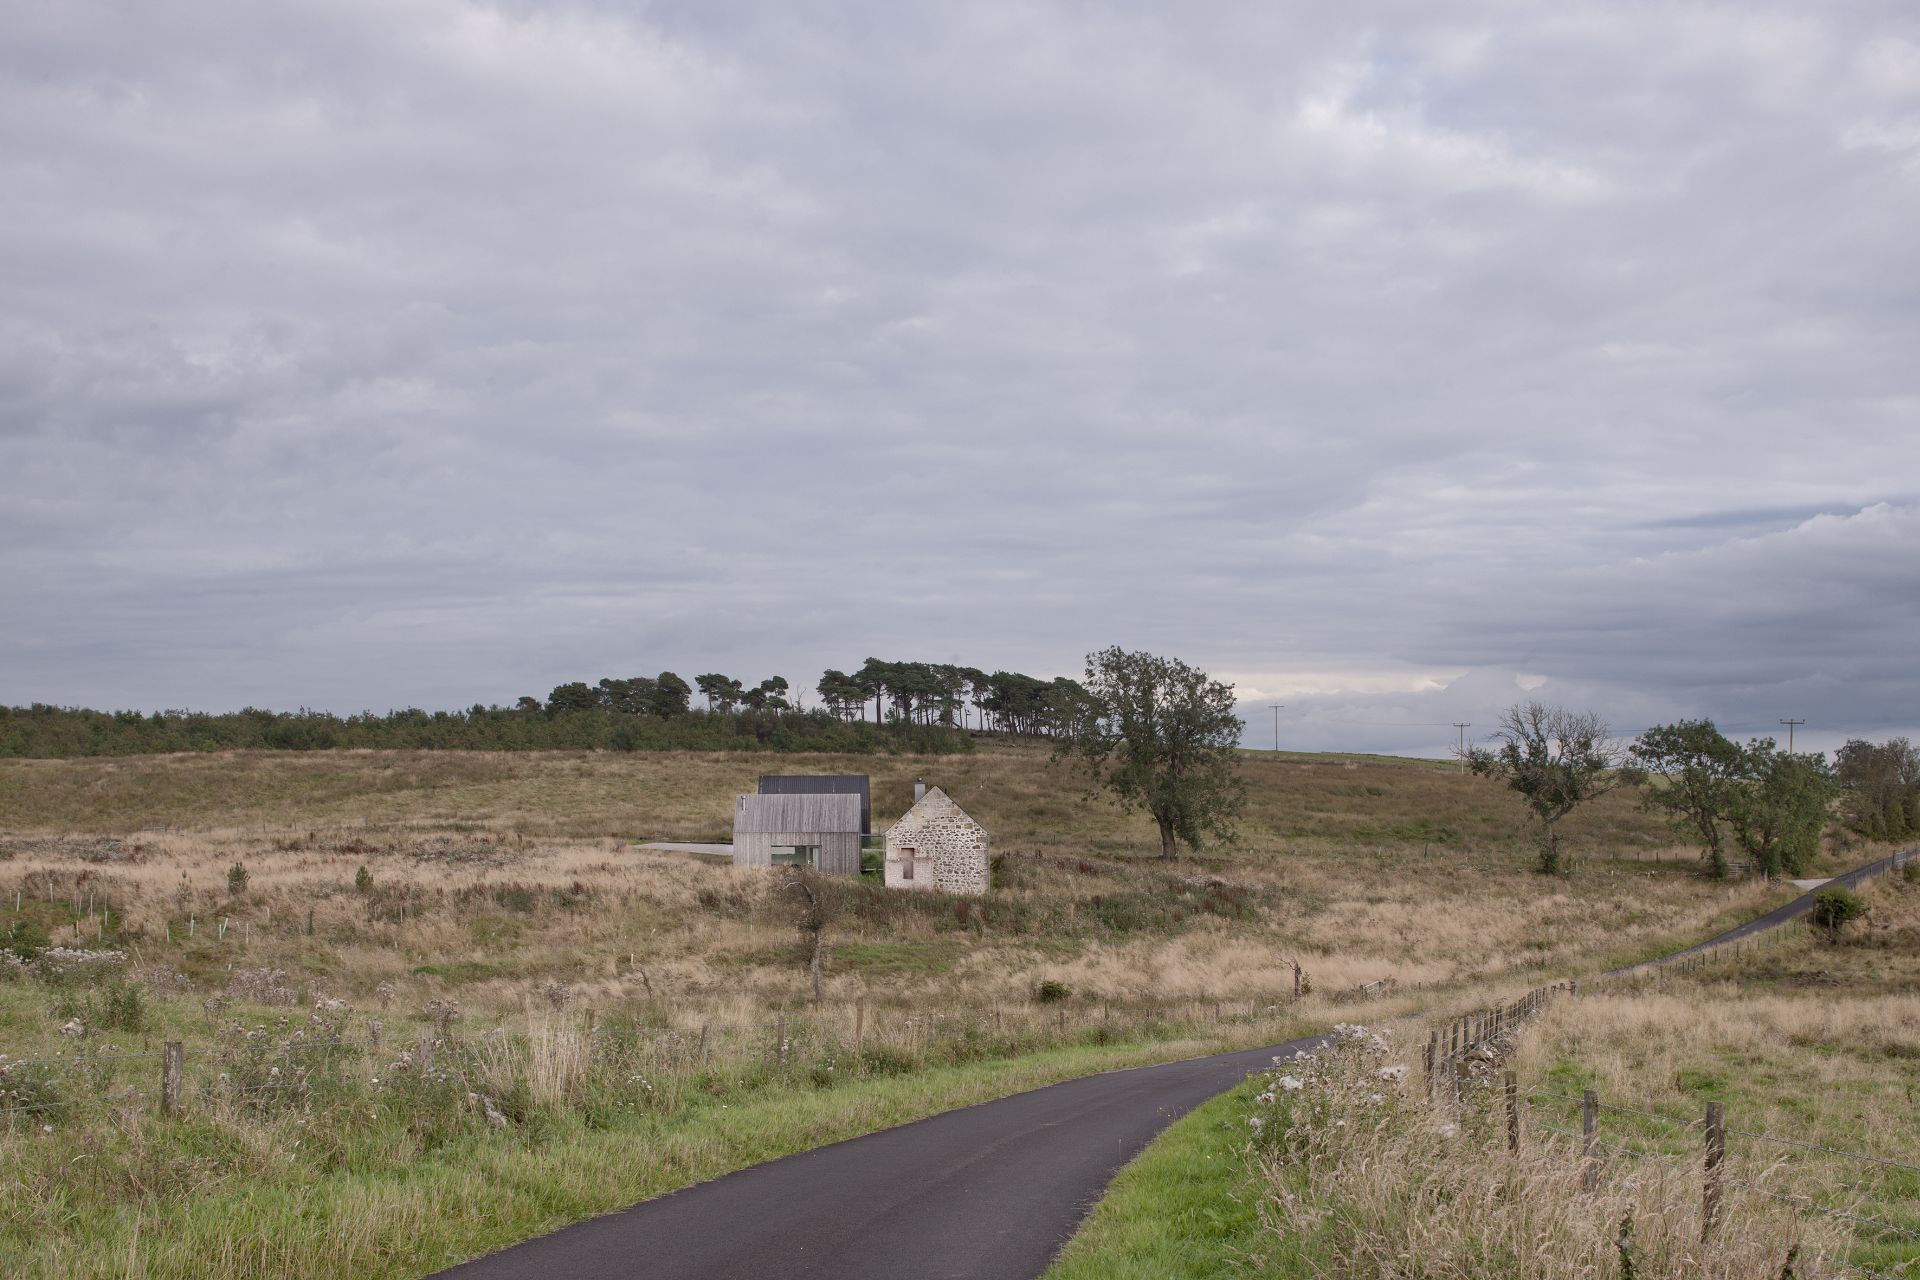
[{"x": 432, "y": 352}]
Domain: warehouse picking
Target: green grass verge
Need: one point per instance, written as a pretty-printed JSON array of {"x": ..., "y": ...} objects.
[
  {"x": 483, "y": 1192},
  {"x": 1186, "y": 1207}
]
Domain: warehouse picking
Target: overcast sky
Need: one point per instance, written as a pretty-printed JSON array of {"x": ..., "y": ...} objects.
[{"x": 1388, "y": 362}]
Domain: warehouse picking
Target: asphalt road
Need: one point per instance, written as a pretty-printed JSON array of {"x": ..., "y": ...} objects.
[
  {"x": 989, "y": 1192},
  {"x": 1800, "y": 906}
]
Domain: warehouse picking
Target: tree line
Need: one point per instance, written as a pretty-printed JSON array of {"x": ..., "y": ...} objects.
[
  {"x": 938, "y": 693},
  {"x": 42, "y": 731},
  {"x": 932, "y": 694},
  {"x": 1771, "y": 805},
  {"x": 916, "y": 706}
]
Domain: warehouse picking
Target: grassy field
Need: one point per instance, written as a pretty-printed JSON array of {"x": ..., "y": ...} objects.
[
  {"x": 300, "y": 1193},
  {"x": 1805, "y": 1039},
  {"x": 565, "y": 976},
  {"x": 1354, "y": 1169}
]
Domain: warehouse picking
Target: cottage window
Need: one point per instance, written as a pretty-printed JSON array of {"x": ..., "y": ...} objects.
[{"x": 796, "y": 855}]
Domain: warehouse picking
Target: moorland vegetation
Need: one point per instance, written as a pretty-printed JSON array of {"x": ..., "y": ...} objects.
[{"x": 306, "y": 924}]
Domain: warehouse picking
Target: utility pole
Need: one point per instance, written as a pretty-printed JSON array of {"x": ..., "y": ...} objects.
[
  {"x": 1276, "y": 725},
  {"x": 1463, "y": 726},
  {"x": 1790, "y": 724}
]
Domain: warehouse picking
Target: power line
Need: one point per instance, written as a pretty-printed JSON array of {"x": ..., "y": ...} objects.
[
  {"x": 1790, "y": 724},
  {"x": 1276, "y": 724}
]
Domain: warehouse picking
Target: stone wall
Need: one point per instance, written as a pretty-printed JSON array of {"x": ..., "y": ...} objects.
[{"x": 939, "y": 829}]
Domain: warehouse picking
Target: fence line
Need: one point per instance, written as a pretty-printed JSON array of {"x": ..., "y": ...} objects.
[{"x": 1714, "y": 1175}]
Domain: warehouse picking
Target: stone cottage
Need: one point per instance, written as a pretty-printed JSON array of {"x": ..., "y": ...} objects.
[{"x": 935, "y": 845}]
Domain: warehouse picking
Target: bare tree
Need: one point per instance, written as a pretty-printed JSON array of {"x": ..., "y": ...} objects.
[
  {"x": 1557, "y": 760},
  {"x": 815, "y": 902}
]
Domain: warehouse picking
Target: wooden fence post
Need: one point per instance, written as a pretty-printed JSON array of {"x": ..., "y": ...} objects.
[
  {"x": 860, "y": 1024},
  {"x": 703, "y": 1044},
  {"x": 1589, "y": 1141},
  {"x": 1716, "y": 1156},
  {"x": 1513, "y": 1113},
  {"x": 172, "y": 1068}
]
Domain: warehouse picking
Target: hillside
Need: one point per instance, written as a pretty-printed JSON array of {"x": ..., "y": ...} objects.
[{"x": 487, "y": 964}]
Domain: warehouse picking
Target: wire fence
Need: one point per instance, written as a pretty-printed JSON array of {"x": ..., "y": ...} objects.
[{"x": 1869, "y": 1207}]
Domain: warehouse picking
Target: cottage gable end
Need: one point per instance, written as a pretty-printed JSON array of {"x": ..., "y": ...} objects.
[{"x": 937, "y": 836}]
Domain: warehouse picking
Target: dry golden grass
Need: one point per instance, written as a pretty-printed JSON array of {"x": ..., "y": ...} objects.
[
  {"x": 496, "y": 874},
  {"x": 1806, "y": 1040},
  {"x": 512, "y": 886},
  {"x": 1366, "y": 1175},
  {"x": 1027, "y": 800}
]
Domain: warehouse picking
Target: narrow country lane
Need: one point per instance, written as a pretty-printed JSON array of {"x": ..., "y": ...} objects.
[{"x": 988, "y": 1192}]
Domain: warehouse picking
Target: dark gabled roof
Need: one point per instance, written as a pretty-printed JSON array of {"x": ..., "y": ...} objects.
[{"x": 827, "y": 784}]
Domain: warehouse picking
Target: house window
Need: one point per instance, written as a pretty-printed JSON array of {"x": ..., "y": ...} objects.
[
  {"x": 796, "y": 855},
  {"x": 906, "y": 864}
]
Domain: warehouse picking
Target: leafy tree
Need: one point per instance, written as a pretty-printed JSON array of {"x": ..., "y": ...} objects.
[
  {"x": 842, "y": 695},
  {"x": 1557, "y": 760},
  {"x": 671, "y": 695},
  {"x": 576, "y": 696},
  {"x": 632, "y": 697},
  {"x": 723, "y": 693},
  {"x": 1779, "y": 807},
  {"x": 1162, "y": 736},
  {"x": 1880, "y": 784},
  {"x": 875, "y": 677},
  {"x": 1699, "y": 770},
  {"x": 976, "y": 682},
  {"x": 1836, "y": 906},
  {"x": 769, "y": 695},
  {"x": 527, "y": 704}
]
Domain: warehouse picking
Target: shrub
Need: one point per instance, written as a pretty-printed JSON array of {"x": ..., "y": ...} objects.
[
  {"x": 363, "y": 880},
  {"x": 27, "y": 938},
  {"x": 124, "y": 1007},
  {"x": 236, "y": 880},
  {"x": 1836, "y": 906},
  {"x": 1911, "y": 872},
  {"x": 1051, "y": 991}
]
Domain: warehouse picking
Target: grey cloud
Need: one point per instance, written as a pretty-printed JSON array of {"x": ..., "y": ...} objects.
[{"x": 430, "y": 352}]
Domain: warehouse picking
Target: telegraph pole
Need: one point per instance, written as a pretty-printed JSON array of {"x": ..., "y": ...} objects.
[
  {"x": 1463, "y": 726},
  {"x": 1276, "y": 725},
  {"x": 1790, "y": 724}
]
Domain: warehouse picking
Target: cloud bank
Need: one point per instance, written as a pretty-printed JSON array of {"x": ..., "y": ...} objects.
[{"x": 425, "y": 352}]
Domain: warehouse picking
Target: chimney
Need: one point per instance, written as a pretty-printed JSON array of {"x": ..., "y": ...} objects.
[{"x": 919, "y": 790}]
